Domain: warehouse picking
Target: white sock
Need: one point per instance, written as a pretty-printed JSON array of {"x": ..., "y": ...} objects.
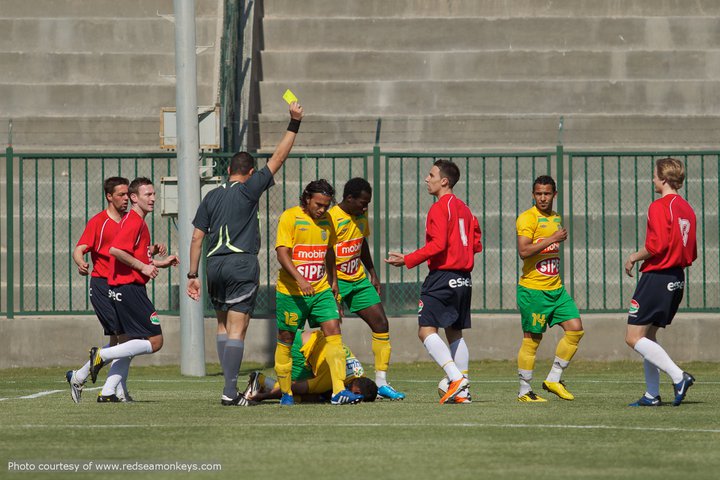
[
  {"x": 122, "y": 387},
  {"x": 652, "y": 379},
  {"x": 128, "y": 349},
  {"x": 83, "y": 373},
  {"x": 655, "y": 354},
  {"x": 441, "y": 354},
  {"x": 380, "y": 378},
  {"x": 525, "y": 379},
  {"x": 558, "y": 366},
  {"x": 461, "y": 355},
  {"x": 269, "y": 384},
  {"x": 114, "y": 376}
]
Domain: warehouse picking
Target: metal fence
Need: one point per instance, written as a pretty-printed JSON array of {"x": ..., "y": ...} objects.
[{"x": 604, "y": 200}]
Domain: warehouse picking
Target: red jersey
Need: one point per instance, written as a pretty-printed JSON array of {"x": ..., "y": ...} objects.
[
  {"x": 98, "y": 235},
  {"x": 452, "y": 237},
  {"x": 133, "y": 238},
  {"x": 670, "y": 237}
]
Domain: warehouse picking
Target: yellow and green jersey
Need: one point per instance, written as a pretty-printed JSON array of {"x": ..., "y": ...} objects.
[
  {"x": 309, "y": 358},
  {"x": 542, "y": 270},
  {"x": 308, "y": 241},
  {"x": 350, "y": 232}
]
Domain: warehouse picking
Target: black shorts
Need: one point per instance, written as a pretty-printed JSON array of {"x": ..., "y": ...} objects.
[
  {"x": 233, "y": 281},
  {"x": 135, "y": 310},
  {"x": 104, "y": 306},
  {"x": 445, "y": 300},
  {"x": 657, "y": 297}
]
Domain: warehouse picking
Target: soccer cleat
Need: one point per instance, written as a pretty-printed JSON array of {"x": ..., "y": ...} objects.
[
  {"x": 107, "y": 398},
  {"x": 253, "y": 386},
  {"x": 388, "y": 392},
  {"x": 647, "y": 402},
  {"x": 531, "y": 397},
  {"x": 454, "y": 389},
  {"x": 466, "y": 399},
  {"x": 681, "y": 388},
  {"x": 96, "y": 363},
  {"x": 238, "y": 401},
  {"x": 124, "y": 396},
  {"x": 76, "y": 387},
  {"x": 558, "y": 388},
  {"x": 287, "y": 400},
  {"x": 346, "y": 397}
]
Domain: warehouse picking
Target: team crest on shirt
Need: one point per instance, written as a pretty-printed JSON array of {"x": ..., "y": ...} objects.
[
  {"x": 323, "y": 235},
  {"x": 154, "y": 318},
  {"x": 634, "y": 307}
]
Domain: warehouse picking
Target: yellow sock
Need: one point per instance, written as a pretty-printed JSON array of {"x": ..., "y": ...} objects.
[
  {"x": 283, "y": 367},
  {"x": 526, "y": 355},
  {"x": 335, "y": 357},
  {"x": 568, "y": 345},
  {"x": 381, "y": 349}
]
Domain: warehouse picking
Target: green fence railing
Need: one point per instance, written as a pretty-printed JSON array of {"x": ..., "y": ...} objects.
[{"x": 50, "y": 197}]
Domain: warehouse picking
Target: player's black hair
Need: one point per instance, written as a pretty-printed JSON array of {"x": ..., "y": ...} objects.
[
  {"x": 110, "y": 183},
  {"x": 448, "y": 170},
  {"x": 368, "y": 388},
  {"x": 317, "y": 186},
  {"x": 137, "y": 183},
  {"x": 545, "y": 180},
  {"x": 241, "y": 163},
  {"x": 355, "y": 186}
]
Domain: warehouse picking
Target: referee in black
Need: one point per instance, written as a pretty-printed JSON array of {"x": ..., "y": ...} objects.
[{"x": 228, "y": 217}]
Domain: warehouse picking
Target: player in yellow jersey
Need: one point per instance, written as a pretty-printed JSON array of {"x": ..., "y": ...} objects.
[
  {"x": 311, "y": 374},
  {"x": 304, "y": 237},
  {"x": 541, "y": 297},
  {"x": 358, "y": 284}
]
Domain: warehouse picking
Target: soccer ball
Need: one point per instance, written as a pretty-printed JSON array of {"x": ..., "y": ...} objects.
[{"x": 443, "y": 386}]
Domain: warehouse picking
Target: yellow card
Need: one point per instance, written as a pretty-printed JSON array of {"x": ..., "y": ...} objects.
[{"x": 289, "y": 97}]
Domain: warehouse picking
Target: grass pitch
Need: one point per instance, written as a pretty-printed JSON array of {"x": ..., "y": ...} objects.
[{"x": 178, "y": 419}]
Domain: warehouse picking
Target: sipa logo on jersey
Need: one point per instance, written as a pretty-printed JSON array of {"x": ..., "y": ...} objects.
[{"x": 549, "y": 267}]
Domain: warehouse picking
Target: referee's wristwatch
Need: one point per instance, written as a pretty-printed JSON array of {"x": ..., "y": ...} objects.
[{"x": 192, "y": 275}]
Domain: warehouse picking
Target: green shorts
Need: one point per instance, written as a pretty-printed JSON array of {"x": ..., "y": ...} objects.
[
  {"x": 358, "y": 295},
  {"x": 540, "y": 308},
  {"x": 292, "y": 311},
  {"x": 300, "y": 368}
]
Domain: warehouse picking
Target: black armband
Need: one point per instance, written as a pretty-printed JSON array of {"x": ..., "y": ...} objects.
[{"x": 294, "y": 126}]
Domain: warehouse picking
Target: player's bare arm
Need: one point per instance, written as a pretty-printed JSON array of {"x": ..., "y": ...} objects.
[
  {"x": 194, "y": 284},
  {"x": 367, "y": 261},
  {"x": 396, "y": 259},
  {"x": 283, "y": 149},
  {"x": 79, "y": 259},
  {"x": 633, "y": 258},
  {"x": 149, "y": 270},
  {"x": 285, "y": 260},
  {"x": 527, "y": 249},
  {"x": 167, "y": 262}
]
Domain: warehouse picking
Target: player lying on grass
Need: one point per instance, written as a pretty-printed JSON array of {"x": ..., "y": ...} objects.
[{"x": 311, "y": 379}]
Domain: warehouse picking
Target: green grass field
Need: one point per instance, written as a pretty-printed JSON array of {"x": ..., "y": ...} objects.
[{"x": 179, "y": 419}]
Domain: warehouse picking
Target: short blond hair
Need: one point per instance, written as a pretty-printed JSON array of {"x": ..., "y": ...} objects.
[{"x": 672, "y": 171}]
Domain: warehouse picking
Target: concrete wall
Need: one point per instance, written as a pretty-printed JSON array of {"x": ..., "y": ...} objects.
[{"x": 64, "y": 341}]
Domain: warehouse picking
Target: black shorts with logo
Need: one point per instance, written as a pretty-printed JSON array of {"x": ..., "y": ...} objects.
[
  {"x": 233, "y": 281},
  {"x": 657, "y": 297},
  {"x": 135, "y": 310},
  {"x": 445, "y": 300},
  {"x": 103, "y": 306}
]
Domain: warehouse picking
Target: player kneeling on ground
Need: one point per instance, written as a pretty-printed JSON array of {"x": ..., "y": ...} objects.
[{"x": 311, "y": 378}]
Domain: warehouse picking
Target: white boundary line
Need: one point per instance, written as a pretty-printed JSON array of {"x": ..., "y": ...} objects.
[
  {"x": 45, "y": 393},
  {"x": 389, "y": 425}
]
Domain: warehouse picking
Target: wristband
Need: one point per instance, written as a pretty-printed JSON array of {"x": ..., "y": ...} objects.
[
  {"x": 293, "y": 126},
  {"x": 190, "y": 276}
]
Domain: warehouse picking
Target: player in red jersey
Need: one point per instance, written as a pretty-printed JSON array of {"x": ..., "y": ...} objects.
[
  {"x": 452, "y": 238},
  {"x": 670, "y": 246},
  {"x": 95, "y": 239},
  {"x": 131, "y": 267}
]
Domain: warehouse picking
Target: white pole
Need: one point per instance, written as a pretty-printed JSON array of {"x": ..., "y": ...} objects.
[{"x": 192, "y": 332}]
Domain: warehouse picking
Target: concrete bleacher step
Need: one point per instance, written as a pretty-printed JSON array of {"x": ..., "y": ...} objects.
[
  {"x": 85, "y": 8},
  {"x": 497, "y": 133},
  {"x": 488, "y": 8},
  {"x": 103, "y": 68},
  {"x": 468, "y": 33},
  {"x": 373, "y": 65}
]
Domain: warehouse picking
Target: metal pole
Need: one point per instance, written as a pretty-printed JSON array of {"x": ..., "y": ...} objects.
[
  {"x": 10, "y": 231},
  {"x": 192, "y": 322}
]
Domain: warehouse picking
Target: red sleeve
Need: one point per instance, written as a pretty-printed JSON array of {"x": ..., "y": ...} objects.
[
  {"x": 477, "y": 236},
  {"x": 657, "y": 238},
  {"x": 88, "y": 236},
  {"x": 435, "y": 237}
]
